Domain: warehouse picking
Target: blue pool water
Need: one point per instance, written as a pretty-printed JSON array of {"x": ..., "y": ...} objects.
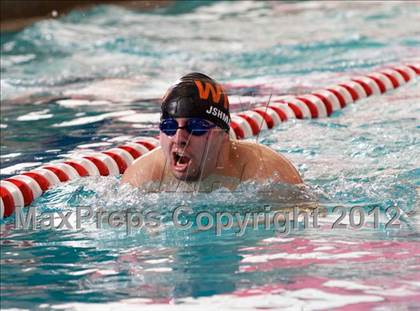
[{"x": 92, "y": 79}]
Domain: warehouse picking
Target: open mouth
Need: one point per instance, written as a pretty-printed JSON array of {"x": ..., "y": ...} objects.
[{"x": 180, "y": 161}]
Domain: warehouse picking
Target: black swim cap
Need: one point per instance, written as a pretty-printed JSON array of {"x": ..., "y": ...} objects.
[{"x": 197, "y": 96}]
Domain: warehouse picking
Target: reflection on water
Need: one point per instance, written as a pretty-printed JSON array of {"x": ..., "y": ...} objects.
[{"x": 169, "y": 264}]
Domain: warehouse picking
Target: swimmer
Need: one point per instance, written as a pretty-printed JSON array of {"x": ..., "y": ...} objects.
[{"x": 195, "y": 146}]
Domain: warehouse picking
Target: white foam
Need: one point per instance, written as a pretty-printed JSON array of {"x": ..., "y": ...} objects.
[
  {"x": 163, "y": 269},
  {"x": 18, "y": 167},
  {"x": 349, "y": 285},
  {"x": 99, "y": 144},
  {"x": 70, "y": 103},
  {"x": 310, "y": 255},
  {"x": 92, "y": 119},
  {"x": 10, "y": 155},
  {"x": 36, "y": 115},
  {"x": 141, "y": 118},
  {"x": 302, "y": 299}
]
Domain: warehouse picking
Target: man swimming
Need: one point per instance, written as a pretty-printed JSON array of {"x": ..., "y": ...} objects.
[{"x": 195, "y": 147}]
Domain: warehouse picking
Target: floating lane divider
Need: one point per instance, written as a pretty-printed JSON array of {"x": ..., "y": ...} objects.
[
  {"x": 321, "y": 103},
  {"x": 23, "y": 189}
]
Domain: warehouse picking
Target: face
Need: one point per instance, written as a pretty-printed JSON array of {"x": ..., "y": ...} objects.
[{"x": 189, "y": 156}]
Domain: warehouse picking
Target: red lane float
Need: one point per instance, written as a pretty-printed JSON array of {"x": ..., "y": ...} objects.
[{"x": 21, "y": 190}]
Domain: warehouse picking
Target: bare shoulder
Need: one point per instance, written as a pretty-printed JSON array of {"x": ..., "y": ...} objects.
[
  {"x": 148, "y": 167},
  {"x": 265, "y": 163}
]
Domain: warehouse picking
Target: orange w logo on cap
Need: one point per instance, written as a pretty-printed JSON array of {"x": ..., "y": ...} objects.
[{"x": 204, "y": 92}]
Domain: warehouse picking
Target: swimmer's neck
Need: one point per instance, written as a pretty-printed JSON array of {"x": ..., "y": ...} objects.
[{"x": 225, "y": 163}]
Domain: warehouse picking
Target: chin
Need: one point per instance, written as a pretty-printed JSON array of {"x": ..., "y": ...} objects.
[{"x": 186, "y": 177}]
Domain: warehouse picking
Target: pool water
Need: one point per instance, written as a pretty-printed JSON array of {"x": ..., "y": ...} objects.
[{"x": 93, "y": 79}]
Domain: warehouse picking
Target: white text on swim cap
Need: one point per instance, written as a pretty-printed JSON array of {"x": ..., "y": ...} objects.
[{"x": 218, "y": 113}]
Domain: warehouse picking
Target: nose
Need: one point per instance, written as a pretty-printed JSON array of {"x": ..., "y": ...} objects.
[{"x": 181, "y": 137}]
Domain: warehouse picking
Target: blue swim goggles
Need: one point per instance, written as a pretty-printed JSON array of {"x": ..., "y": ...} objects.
[{"x": 194, "y": 126}]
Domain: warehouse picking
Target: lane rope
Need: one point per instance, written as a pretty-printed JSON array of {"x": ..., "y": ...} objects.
[{"x": 21, "y": 190}]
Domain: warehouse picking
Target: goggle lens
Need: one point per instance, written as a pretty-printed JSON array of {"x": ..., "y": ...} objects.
[{"x": 194, "y": 126}]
